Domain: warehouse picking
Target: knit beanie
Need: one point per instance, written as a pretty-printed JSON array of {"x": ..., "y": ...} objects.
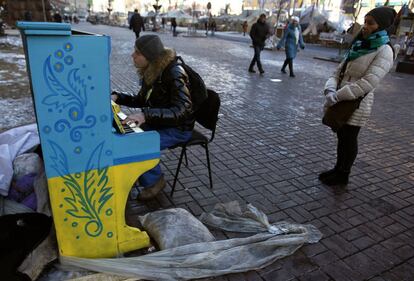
[
  {"x": 150, "y": 46},
  {"x": 384, "y": 16},
  {"x": 295, "y": 18}
]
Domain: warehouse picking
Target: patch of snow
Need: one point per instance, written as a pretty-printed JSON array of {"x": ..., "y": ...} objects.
[
  {"x": 16, "y": 112},
  {"x": 14, "y": 41}
]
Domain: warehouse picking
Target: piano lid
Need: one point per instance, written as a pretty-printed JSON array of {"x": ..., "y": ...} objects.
[{"x": 44, "y": 28}]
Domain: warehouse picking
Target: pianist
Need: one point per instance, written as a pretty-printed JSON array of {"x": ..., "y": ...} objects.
[{"x": 165, "y": 103}]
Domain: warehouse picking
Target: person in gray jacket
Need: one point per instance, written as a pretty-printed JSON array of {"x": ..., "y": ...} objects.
[{"x": 368, "y": 60}]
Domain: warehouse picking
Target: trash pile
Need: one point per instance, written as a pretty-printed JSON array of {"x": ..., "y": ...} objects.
[
  {"x": 184, "y": 246},
  {"x": 27, "y": 240}
]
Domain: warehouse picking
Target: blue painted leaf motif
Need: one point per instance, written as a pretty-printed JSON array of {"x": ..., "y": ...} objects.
[
  {"x": 61, "y": 96},
  {"x": 59, "y": 159},
  {"x": 77, "y": 85},
  {"x": 60, "y": 164},
  {"x": 96, "y": 191}
]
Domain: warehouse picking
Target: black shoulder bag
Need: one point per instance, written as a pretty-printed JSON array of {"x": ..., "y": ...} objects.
[{"x": 337, "y": 115}]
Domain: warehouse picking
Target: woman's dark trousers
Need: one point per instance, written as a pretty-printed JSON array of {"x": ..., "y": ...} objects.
[
  {"x": 290, "y": 63},
  {"x": 347, "y": 149},
  {"x": 256, "y": 59}
]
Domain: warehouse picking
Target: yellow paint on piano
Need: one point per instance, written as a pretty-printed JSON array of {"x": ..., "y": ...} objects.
[{"x": 104, "y": 233}]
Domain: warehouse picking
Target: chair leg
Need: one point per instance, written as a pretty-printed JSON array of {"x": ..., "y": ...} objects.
[
  {"x": 208, "y": 166},
  {"x": 183, "y": 151},
  {"x": 185, "y": 155}
]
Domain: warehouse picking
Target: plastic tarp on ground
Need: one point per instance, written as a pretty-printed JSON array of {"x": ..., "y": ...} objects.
[{"x": 207, "y": 259}]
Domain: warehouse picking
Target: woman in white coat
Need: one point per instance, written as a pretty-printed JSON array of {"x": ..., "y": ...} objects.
[{"x": 369, "y": 59}]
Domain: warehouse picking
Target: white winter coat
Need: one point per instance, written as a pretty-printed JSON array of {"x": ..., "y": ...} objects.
[{"x": 362, "y": 76}]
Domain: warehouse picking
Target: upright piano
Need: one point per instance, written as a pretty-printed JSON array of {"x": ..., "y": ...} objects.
[{"x": 89, "y": 167}]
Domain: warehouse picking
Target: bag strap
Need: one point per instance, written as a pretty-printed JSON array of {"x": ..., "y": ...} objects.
[
  {"x": 341, "y": 77},
  {"x": 342, "y": 74}
]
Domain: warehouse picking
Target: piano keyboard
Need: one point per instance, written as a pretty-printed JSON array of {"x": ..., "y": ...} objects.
[{"x": 119, "y": 116}]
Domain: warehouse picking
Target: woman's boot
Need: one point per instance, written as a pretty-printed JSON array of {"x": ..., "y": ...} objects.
[{"x": 336, "y": 178}]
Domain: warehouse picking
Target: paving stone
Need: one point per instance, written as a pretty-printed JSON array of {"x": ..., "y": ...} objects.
[
  {"x": 339, "y": 246},
  {"x": 317, "y": 275},
  {"x": 279, "y": 274},
  {"x": 339, "y": 271},
  {"x": 325, "y": 258}
]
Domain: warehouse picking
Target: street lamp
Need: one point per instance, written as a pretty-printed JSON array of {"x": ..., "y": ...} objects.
[
  {"x": 44, "y": 10},
  {"x": 109, "y": 8}
]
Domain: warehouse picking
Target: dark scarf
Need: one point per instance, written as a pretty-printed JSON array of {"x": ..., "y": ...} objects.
[{"x": 361, "y": 46}]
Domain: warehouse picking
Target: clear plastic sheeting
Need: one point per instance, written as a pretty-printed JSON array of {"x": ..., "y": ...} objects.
[
  {"x": 231, "y": 217},
  {"x": 210, "y": 259}
]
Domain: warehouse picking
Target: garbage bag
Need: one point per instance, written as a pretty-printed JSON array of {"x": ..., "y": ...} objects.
[
  {"x": 20, "y": 234},
  {"x": 13, "y": 143},
  {"x": 175, "y": 227},
  {"x": 208, "y": 259}
]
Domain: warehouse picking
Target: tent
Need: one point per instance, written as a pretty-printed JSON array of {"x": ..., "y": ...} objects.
[
  {"x": 178, "y": 14},
  {"x": 149, "y": 14}
]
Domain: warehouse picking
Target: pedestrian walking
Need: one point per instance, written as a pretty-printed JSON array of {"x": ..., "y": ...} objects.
[
  {"x": 136, "y": 23},
  {"x": 245, "y": 25},
  {"x": 165, "y": 103},
  {"x": 57, "y": 17},
  {"x": 259, "y": 33},
  {"x": 174, "y": 26},
  {"x": 368, "y": 60},
  {"x": 213, "y": 26},
  {"x": 291, "y": 40},
  {"x": 28, "y": 16}
]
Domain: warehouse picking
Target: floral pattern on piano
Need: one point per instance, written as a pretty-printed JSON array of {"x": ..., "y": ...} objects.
[
  {"x": 88, "y": 192},
  {"x": 68, "y": 92}
]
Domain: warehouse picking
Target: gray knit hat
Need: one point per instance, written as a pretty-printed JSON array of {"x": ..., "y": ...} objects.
[
  {"x": 150, "y": 46},
  {"x": 384, "y": 16}
]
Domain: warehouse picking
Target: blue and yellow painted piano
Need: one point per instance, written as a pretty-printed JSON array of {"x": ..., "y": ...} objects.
[{"x": 90, "y": 169}]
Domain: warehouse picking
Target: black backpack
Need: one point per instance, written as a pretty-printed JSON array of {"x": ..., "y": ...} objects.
[{"x": 198, "y": 89}]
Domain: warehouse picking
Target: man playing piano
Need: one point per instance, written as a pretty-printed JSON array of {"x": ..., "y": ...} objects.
[{"x": 165, "y": 103}]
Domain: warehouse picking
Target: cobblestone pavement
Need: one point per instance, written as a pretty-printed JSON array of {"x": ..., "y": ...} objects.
[{"x": 270, "y": 146}]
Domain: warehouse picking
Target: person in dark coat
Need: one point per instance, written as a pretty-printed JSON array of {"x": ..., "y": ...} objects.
[
  {"x": 213, "y": 26},
  {"x": 136, "y": 23},
  {"x": 57, "y": 17},
  {"x": 259, "y": 33},
  {"x": 165, "y": 103},
  {"x": 28, "y": 16},
  {"x": 245, "y": 25},
  {"x": 174, "y": 26},
  {"x": 292, "y": 39}
]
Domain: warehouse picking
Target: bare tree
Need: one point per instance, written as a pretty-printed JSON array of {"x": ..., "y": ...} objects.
[
  {"x": 262, "y": 4},
  {"x": 357, "y": 9}
]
